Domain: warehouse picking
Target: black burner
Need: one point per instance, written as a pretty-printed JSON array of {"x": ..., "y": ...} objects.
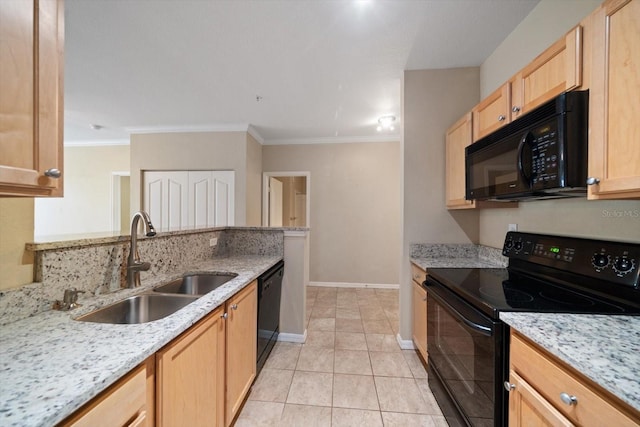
[
  {"x": 566, "y": 298},
  {"x": 505, "y": 294}
]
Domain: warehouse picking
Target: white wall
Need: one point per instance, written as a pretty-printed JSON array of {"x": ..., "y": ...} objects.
[
  {"x": 355, "y": 207},
  {"x": 432, "y": 100},
  {"x": 619, "y": 220},
  {"x": 86, "y": 205}
]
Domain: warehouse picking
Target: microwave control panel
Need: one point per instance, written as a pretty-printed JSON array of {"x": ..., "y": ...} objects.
[{"x": 545, "y": 155}]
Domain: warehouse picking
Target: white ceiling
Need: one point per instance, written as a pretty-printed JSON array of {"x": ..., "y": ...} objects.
[{"x": 326, "y": 70}]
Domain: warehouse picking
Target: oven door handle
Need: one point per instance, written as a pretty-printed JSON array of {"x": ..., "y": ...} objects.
[{"x": 484, "y": 330}]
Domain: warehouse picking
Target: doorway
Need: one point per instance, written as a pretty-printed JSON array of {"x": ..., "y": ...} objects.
[{"x": 286, "y": 199}]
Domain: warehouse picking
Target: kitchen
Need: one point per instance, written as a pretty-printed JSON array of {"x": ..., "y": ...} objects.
[{"x": 424, "y": 119}]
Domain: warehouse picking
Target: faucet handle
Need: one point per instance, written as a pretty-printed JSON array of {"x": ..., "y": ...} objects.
[{"x": 69, "y": 300}]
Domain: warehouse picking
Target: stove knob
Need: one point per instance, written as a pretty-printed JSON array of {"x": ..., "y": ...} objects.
[
  {"x": 508, "y": 244},
  {"x": 517, "y": 246},
  {"x": 600, "y": 260},
  {"x": 623, "y": 265}
]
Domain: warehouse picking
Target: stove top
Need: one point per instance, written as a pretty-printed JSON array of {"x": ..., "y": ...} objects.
[
  {"x": 492, "y": 290},
  {"x": 553, "y": 274}
]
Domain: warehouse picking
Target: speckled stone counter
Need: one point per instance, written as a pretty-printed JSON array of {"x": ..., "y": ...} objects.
[
  {"x": 605, "y": 349},
  {"x": 456, "y": 256},
  {"x": 50, "y": 364}
]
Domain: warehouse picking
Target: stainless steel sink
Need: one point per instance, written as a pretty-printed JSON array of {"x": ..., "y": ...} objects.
[
  {"x": 196, "y": 284},
  {"x": 139, "y": 309}
]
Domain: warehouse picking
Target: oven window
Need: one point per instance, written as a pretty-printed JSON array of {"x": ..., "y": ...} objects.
[{"x": 465, "y": 360}]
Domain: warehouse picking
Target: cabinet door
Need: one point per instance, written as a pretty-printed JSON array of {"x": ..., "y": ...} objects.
[
  {"x": 457, "y": 138},
  {"x": 492, "y": 113},
  {"x": 614, "y": 143},
  {"x": 556, "y": 70},
  {"x": 242, "y": 330},
  {"x": 165, "y": 198},
  {"x": 420, "y": 318},
  {"x": 31, "y": 110},
  {"x": 528, "y": 408},
  {"x": 190, "y": 376}
]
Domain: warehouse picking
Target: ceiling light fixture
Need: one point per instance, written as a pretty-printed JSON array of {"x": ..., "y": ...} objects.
[
  {"x": 386, "y": 122},
  {"x": 95, "y": 127}
]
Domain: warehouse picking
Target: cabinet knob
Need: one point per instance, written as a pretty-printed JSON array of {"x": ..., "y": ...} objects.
[
  {"x": 508, "y": 386},
  {"x": 515, "y": 109},
  {"x": 501, "y": 118},
  {"x": 225, "y": 315},
  {"x": 53, "y": 173},
  {"x": 568, "y": 399},
  {"x": 234, "y": 306},
  {"x": 593, "y": 180}
]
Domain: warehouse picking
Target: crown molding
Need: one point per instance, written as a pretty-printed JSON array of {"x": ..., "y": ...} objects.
[
  {"x": 254, "y": 133},
  {"x": 227, "y": 127},
  {"x": 97, "y": 142},
  {"x": 334, "y": 140}
]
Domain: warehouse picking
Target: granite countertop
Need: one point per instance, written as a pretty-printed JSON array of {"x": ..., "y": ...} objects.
[
  {"x": 50, "y": 364},
  {"x": 448, "y": 262},
  {"x": 604, "y": 348}
]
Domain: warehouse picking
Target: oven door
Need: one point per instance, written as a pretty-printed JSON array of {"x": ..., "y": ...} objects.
[{"x": 466, "y": 360}]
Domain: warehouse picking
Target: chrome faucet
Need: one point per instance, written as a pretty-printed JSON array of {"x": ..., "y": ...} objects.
[{"x": 134, "y": 265}]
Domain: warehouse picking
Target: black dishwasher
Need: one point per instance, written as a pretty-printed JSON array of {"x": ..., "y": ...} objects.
[{"x": 269, "y": 291}]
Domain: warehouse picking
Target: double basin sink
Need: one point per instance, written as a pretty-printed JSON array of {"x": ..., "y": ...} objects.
[{"x": 163, "y": 301}]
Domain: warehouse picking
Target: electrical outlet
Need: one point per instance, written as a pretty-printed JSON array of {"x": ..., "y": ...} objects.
[
  {"x": 213, "y": 242},
  {"x": 512, "y": 227}
]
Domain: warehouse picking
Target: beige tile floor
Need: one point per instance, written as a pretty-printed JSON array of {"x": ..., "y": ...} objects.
[{"x": 350, "y": 372}]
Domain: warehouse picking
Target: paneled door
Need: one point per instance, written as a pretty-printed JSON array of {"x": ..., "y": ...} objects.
[
  {"x": 166, "y": 199},
  {"x": 211, "y": 198}
]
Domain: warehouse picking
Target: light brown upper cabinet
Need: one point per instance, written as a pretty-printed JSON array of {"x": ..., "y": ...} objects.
[
  {"x": 457, "y": 138},
  {"x": 492, "y": 113},
  {"x": 31, "y": 92},
  {"x": 558, "y": 69},
  {"x": 614, "y": 143}
]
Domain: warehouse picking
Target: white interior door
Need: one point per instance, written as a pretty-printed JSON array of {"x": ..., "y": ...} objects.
[
  {"x": 165, "y": 195},
  {"x": 275, "y": 202},
  {"x": 223, "y": 197}
]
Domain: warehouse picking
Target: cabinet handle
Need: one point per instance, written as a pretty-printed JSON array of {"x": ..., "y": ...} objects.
[
  {"x": 53, "y": 173},
  {"x": 508, "y": 386},
  {"x": 225, "y": 315},
  {"x": 593, "y": 181},
  {"x": 234, "y": 306},
  {"x": 515, "y": 109},
  {"x": 568, "y": 399},
  {"x": 501, "y": 118},
  {"x": 139, "y": 421}
]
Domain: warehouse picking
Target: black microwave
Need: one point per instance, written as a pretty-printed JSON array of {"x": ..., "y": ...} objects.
[{"x": 538, "y": 156}]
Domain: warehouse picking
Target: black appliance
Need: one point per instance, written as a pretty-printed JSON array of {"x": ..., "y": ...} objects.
[
  {"x": 467, "y": 342},
  {"x": 269, "y": 292},
  {"x": 543, "y": 154}
]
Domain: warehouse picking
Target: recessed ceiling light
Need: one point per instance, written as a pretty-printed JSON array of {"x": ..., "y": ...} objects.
[{"x": 386, "y": 122}]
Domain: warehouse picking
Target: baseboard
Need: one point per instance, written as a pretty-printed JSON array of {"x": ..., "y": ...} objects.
[
  {"x": 405, "y": 344},
  {"x": 297, "y": 338},
  {"x": 355, "y": 285}
]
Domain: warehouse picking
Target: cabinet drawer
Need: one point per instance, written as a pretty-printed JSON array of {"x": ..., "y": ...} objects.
[
  {"x": 550, "y": 378},
  {"x": 418, "y": 274},
  {"x": 122, "y": 404}
]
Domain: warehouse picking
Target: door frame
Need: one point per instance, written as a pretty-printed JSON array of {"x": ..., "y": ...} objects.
[
  {"x": 116, "y": 179},
  {"x": 265, "y": 194}
]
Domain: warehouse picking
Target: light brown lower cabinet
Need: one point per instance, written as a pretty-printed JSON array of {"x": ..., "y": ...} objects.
[
  {"x": 201, "y": 378},
  {"x": 547, "y": 392},
  {"x": 419, "y": 310},
  {"x": 129, "y": 402},
  {"x": 241, "y": 348},
  {"x": 190, "y": 376}
]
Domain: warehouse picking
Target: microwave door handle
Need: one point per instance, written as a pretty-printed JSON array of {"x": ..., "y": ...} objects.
[
  {"x": 484, "y": 330},
  {"x": 525, "y": 141}
]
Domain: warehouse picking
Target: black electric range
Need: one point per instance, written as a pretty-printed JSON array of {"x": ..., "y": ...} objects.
[{"x": 468, "y": 344}]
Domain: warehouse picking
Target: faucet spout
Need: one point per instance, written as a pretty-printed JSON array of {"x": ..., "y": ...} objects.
[{"x": 134, "y": 265}]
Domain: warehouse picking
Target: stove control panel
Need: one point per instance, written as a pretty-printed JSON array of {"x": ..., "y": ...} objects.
[{"x": 617, "y": 262}]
